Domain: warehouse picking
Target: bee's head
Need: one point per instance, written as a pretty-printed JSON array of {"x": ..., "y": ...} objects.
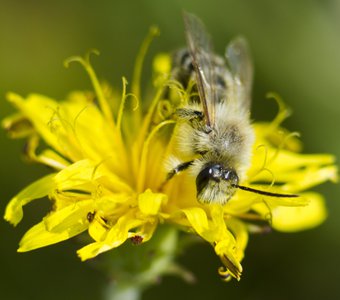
[{"x": 216, "y": 184}]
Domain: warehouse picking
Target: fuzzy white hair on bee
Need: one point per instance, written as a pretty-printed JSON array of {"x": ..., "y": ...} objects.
[{"x": 214, "y": 135}]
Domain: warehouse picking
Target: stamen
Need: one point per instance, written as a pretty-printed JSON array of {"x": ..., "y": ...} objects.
[
  {"x": 283, "y": 113},
  {"x": 145, "y": 150},
  {"x": 121, "y": 106},
  {"x": 153, "y": 32},
  {"x": 85, "y": 62},
  {"x": 282, "y": 145}
]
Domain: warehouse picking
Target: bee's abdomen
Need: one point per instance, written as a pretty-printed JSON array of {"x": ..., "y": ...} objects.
[
  {"x": 184, "y": 71},
  {"x": 182, "y": 67}
]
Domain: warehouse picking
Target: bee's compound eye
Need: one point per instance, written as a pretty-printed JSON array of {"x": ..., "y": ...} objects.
[
  {"x": 215, "y": 172},
  {"x": 211, "y": 172},
  {"x": 231, "y": 176}
]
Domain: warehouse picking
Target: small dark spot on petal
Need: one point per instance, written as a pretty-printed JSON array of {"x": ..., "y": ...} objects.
[
  {"x": 90, "y": 216},
  {"x": 136, "y": 240}
]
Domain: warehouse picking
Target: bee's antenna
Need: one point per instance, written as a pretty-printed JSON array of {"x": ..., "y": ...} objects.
[{"x": 265, "y": 193}]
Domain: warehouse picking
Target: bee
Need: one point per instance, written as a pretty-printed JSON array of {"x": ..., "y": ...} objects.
[{"x": 214, "y": 131}]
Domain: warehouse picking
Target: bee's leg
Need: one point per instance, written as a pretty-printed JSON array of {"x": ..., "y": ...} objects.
[
  {"x": 195, "y": 118},
  {"x": 181, "y": 167},
  {"x": 189, "y": 114}
]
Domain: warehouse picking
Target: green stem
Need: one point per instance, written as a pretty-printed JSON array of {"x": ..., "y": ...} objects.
[
  {"x": 117, "y": 291},
  {"x": 133, "y": 268}
]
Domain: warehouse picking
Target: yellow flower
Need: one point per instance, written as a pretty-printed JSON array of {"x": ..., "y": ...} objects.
[{"x": 108, "y": 153}]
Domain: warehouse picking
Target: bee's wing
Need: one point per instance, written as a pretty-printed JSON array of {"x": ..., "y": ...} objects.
[
  {"x": 200, "y": 48},
  {"x": 238, "y": 56}
]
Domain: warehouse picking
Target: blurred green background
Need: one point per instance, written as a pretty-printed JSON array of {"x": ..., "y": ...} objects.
[{"x": 296, "y": 52}]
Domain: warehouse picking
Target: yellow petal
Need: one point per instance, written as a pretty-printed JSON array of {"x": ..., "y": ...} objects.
[
  {"x": 241, "y": 202},
  {"x": 277, "y": 136},
  {"x": 94, "y": 249},
  {"x": 87, "y": 172},
  {"x": 47, "y": 157},
  {"x": 150, "y": 203},
  {"x": 73, "y": 128},
  {"x": 285, "y": 160},
  {"x": 116, "y": 236},
  {"x": 290, "y": 219},
  {"x": 38, "y": 236},
  {"x": 225, "y": 249},
  {"x": 98, "y": 229},
  {"x": 310, "y": 177},
  {"x": 240, "y": 232},
  {"x": 146, "y": 231},
  {"x": 40, "y": 110},
  {"x": 58, "y": 226},
  {"x": 94, "y": 137},
  {"x": 36, "y": 190},
  {"x": 79, "y": 173},
  {"x": 17, "y": 126},
  {"x": 52, "y": 159},
  {"x": 197, "y": 218},
  {"x": 70, "y": 217}
]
